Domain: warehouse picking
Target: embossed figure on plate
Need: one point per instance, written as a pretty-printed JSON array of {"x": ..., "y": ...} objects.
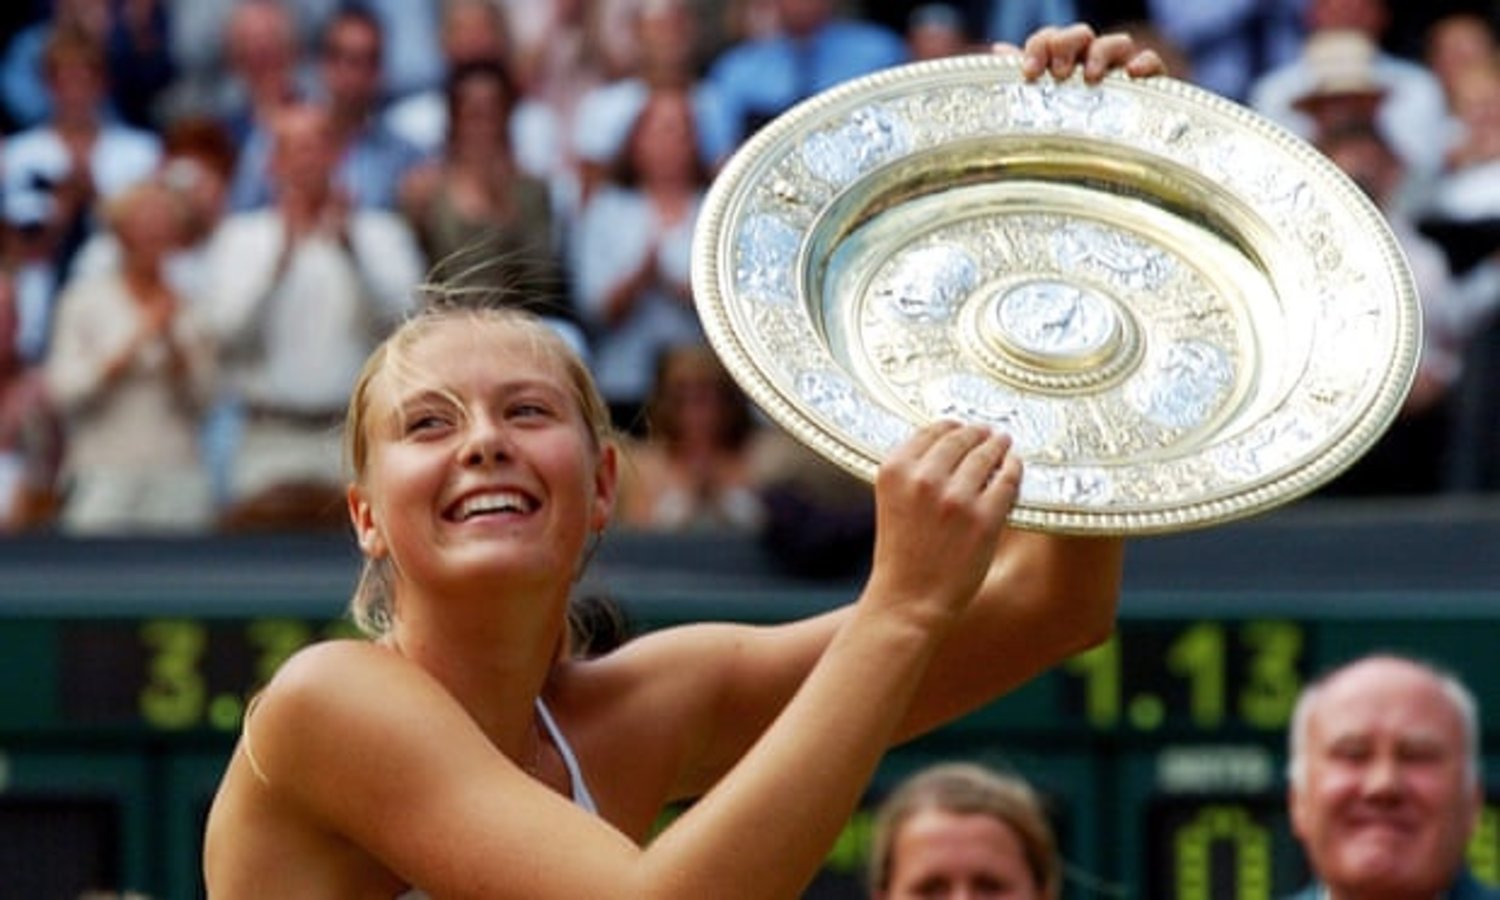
[{"x": 929, "y": 284}]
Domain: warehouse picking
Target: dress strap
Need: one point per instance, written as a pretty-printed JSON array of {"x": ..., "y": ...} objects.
[
  {"x": 580, "y": 789},
  {"x": 248, "y": 746}
]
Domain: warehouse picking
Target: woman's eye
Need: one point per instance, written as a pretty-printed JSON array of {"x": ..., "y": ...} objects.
[
  {"x": 530, "y": 410},
  {"x": 425, "y": 422}
]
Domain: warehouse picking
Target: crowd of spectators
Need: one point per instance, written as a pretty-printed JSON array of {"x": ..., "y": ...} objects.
[{"x": 212, "y": 209}]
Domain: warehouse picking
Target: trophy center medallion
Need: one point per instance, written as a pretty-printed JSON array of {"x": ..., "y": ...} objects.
[
  {"x": 1050, "y": 335},
  {"x": 1055, "y": 325}
]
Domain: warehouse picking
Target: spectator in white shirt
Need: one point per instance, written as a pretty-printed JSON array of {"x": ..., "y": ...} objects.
[{"x": 301, "y": 292}]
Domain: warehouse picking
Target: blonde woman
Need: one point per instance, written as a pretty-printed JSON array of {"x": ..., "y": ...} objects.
[{"x": 464, "y": 753}]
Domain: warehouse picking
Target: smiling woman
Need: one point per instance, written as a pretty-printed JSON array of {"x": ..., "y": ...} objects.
[
  {"x": 399, "y": 400},
  {"x": 482, "y": 469},
  {"x": 452, "y": 753}
]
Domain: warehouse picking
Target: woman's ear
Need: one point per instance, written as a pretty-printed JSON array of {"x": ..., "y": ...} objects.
[
  {"x": 606, "y": 485},
  {"x": 362, "y": 516}
]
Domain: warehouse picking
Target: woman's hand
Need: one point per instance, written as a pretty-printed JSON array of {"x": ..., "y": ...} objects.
[
  {"x": 941, "y": 501},
  {"x": 1060, "y": 50}
]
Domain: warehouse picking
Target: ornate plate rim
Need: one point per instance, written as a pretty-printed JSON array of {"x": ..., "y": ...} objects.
[{"x": 713, "y": 249}]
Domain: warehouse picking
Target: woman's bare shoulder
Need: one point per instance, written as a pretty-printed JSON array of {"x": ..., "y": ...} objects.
[
  {"x": 337, "y": 652},
  {"x": 341, "y": 690},
  {"x": 330, "y": 665}
]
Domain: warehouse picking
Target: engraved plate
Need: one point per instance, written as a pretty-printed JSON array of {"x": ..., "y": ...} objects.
[{"x": 1182, "y": 313}]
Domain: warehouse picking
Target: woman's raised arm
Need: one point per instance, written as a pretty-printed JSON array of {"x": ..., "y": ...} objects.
[{"x": 376, "y": 753}]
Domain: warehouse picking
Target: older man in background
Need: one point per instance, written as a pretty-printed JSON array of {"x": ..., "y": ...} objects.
[
  {"x": 299, "y": 293},
  {"x": 1385, "y": 782}
]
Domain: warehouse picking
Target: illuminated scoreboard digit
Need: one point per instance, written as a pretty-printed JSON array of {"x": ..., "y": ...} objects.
[
  {"x": 175, "y": 674},
  {"x": 1226, "y": 847},
  {"x": 1484, "y": 846},
  {"x": 1196, "y": 842},
  {"x": 1205, "y": 822},
  {"x": 1206, "y": 675}
]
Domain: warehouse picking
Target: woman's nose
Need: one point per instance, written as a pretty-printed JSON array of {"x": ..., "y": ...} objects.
[{"x": 486, "y": 442}]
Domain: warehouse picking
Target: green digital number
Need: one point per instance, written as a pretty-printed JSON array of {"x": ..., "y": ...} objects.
[
  {"x": 175, "y": 694},
  {"x": 1100, "y": 670},
  {"x": 1272, "y": 675},
  {"x": 1198, "y": 656},
  {"x": 1484, "y": 846},
  {"x": 275, "y": 640},
  {"x": 1232, "y": 827}
]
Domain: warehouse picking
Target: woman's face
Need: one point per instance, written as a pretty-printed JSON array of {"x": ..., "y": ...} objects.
[
  {"x": 696, "y": 392},
  {"x": 304, "y": 152},
  {"x": 1476, "y": 101},
  {"x": 665, "y": 145},
  {"x": 77, "y": 85},
  {"x": 480, "y": 463},
  {"x": 149, "y": 228},
  {"x": 940, "y": 855},
  {"x": 1458, "y": 44},
  {"x": 202, "y": 187},
  {"x": 482, "y": 109}
]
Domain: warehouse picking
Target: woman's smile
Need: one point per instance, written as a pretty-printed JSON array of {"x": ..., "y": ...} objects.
[{"x": 489, "y": 503}]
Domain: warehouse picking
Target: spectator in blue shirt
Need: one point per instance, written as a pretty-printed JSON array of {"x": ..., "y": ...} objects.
[
  {"x": 372, "y": 159},
  {"x": 814, "y": 50}
]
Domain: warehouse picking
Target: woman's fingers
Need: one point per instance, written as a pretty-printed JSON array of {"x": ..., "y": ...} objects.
[
  {"x": 1105, "y": 52},
  {"x": 1056, "y": 49},
  {"x": 1145, "y": 64},
  {"x": 989, "y": 475},
  {"x": 981, "y": 462},
  {"x": 1060, "y": 50},
  {"x": 919, "y": 444},
  {"x": 945, "y": 461},
  {"x": 942, "y": 500},
  {"x": 1003, "y": 488},
  {"x": 954, "y": 462}
]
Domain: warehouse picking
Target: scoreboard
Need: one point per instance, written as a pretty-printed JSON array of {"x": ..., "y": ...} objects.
[{"x": 1161, "y": 753}]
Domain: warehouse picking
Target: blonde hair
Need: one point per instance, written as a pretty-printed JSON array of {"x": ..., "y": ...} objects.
[
  {"x": 969, "y": 789},
  {"x": 372, "y": 606},
  {"x": 117, "y": 208}
]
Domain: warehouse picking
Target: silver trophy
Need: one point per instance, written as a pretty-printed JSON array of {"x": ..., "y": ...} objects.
[{"x": 1182, "y": 313}]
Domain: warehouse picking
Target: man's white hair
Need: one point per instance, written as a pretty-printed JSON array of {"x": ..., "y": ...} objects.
[{"x": 1458, "y": 694}]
